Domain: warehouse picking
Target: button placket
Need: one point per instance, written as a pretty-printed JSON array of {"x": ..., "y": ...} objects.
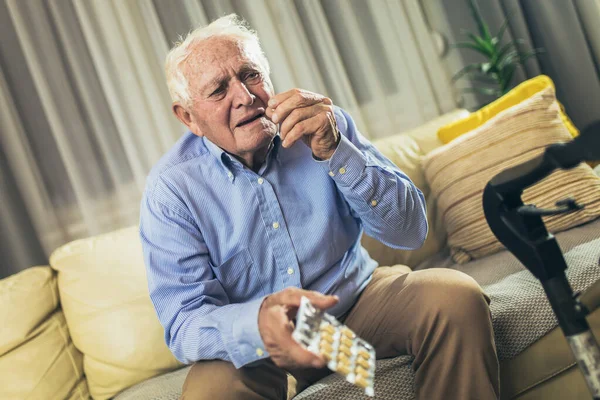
[{"x": 279, "y": 238}]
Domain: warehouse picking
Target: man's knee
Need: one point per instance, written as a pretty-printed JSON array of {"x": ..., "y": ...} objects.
[
  {"x": 216, "y": 379},
  {"x": 454, "y": 297}
]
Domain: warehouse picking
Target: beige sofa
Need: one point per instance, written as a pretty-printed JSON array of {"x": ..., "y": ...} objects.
[{"x": 85, "y": 327}]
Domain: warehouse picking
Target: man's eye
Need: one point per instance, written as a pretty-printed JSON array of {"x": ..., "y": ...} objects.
[
  {"x": 252, "y": 76},
  {"x": 218, "y": 91}
]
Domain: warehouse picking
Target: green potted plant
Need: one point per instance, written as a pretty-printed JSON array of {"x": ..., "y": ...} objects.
[{"x": 495, "y": 74}]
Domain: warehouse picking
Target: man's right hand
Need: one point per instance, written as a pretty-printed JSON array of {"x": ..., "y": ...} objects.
[{"x": 276, "y": 326}]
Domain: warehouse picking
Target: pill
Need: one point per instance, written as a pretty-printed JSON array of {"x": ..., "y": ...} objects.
[
  {"x": 362, "y": 382},
  {"x": 328, "y": 328},
  {"x": 364, "y": 354},
  {"x": 326, "y": 354},
  {"x": 326, "y": 337},
  {"x": 362, "y": 372},
  {"x": 345, "y": 350},
  {"x": 363, "y": 363},
  {"x": 343, "y": 369},
  {"x": 346, "y": 341},
  {"x": 348, "y": 333}
]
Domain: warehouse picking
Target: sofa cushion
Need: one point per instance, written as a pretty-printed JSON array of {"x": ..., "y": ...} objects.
[
  {"x": 163, "y": 387},
  {"x": 458, "y": 172},
  {"x": 37, "y": 357},
  {"x": 104, "y": 295},
  {"x": 516, "y": 323},
  {"x": 407, "y": 150}
]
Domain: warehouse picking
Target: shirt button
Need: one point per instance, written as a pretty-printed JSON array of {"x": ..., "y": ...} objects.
[
  {"x": 260, "y": 181},
  {"x": 275, "y": 225},
  {"x": 229, "y": 174},
  {"x": 373, "y": 203},
  {"x": 290, "y": 271},
  {"x": 342, "y": 170},
  {"x": 331, "y": 173},
  {"x": 259, "y": 352}
]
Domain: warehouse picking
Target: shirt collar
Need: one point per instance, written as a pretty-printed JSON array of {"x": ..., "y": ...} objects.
[{"x": 227, "y": 162}]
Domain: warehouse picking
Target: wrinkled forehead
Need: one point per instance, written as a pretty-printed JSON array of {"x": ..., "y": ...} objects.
[{"x": 212, "y": 54}]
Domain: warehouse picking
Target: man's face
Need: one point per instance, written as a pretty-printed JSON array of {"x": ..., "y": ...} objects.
[{"x": 229, "y": 92}]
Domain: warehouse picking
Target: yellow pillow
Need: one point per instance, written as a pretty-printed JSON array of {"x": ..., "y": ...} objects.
[
  {"x": 104, "y": 295},
  {"x": 458, "y": 172},
  {"x": 522, "y": 92},
  {"x": 37, "y": 357}
]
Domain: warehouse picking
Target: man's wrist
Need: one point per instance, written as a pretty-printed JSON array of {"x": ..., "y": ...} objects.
[{"x": 330, "y": 152}]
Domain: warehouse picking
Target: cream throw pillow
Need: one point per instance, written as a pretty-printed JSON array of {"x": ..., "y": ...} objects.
[
  {"x": 458, "y": 172},
  {"x": 37, "y": 357},
  {"x": 104, "y": 295}
]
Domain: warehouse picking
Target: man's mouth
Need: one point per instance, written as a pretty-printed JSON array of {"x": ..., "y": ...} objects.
[{"x": 250, "y": 119}]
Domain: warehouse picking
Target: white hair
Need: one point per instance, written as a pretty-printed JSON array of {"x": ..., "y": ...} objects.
[{"x": 230, "y": 25}]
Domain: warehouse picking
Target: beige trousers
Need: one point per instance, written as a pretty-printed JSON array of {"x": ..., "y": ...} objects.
[{"x": 439, "y": 316}]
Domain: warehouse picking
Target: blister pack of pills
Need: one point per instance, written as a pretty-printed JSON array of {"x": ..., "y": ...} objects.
[{"x": 346, "y": 353}]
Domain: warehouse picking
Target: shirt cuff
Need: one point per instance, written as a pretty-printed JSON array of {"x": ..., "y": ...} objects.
[
  {"x": 247, "y": 341},
  {"x": 347, "y": 164}
]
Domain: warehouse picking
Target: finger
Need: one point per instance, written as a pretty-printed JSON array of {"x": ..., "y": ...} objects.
[
  {"x": 301, "y": 98},
  {"x": 322, "y": 301},
  {"x": 302, "y": 128},
  {"x": 282, "y": 330},
  {"x": 280, "y": 97},
  {"x": 302, "y": 357},
  {"x": 291, "y": 297},
  {"x": 297, "y": 353},
  {"x": 300, "y": 114}
]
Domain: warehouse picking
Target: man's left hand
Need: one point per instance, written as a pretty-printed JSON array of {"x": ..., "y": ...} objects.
[{"x": 307, "y": 116}]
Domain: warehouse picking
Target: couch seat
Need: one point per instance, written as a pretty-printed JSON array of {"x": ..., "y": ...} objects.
[{"x": 522, "y": 317}]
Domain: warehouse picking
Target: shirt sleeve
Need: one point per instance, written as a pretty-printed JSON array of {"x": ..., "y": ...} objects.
[
  {"x": 390, "y": 207},
  {"x": 198, "y": 320}
]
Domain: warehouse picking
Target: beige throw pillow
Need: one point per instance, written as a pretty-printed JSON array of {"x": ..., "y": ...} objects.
[
  {"x": 37, "y": 357},
  {"x": 458, "y": 172},
  {"x": 104, "y": 295}
]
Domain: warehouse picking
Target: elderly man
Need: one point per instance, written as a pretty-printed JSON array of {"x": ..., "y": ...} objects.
[{"x": 265, "y": 200}]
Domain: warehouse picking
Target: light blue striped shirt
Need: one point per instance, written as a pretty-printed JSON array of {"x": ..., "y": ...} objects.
[{"x": 218, "y": 237}]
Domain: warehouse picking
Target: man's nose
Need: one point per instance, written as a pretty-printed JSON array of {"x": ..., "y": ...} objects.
[{"x": 242, "y": 96}]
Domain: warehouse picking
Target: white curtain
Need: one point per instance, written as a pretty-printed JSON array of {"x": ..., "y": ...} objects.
[{"x": 85, "y": 112}]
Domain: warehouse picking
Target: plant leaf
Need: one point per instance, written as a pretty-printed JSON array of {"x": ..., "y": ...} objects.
[
  {"x": 504, "y": 49},
  {"x": 478, "y": 76},
  {"x": 467, "y": 69},
  {"x": 507, "y": 76},
  {"x": 502, "y": 30},
  {"x": 526, "y": 56},
  {"x": 472, "y": 46},
  {"x": 481, "y": 25},
  {"x": 487, "y": 46},
  {"x": 485, "y": 67},
  {"x": 509, "y": 58}
]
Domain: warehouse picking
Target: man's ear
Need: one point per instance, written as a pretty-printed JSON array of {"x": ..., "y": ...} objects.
[{"x": 185, "y": 118}]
